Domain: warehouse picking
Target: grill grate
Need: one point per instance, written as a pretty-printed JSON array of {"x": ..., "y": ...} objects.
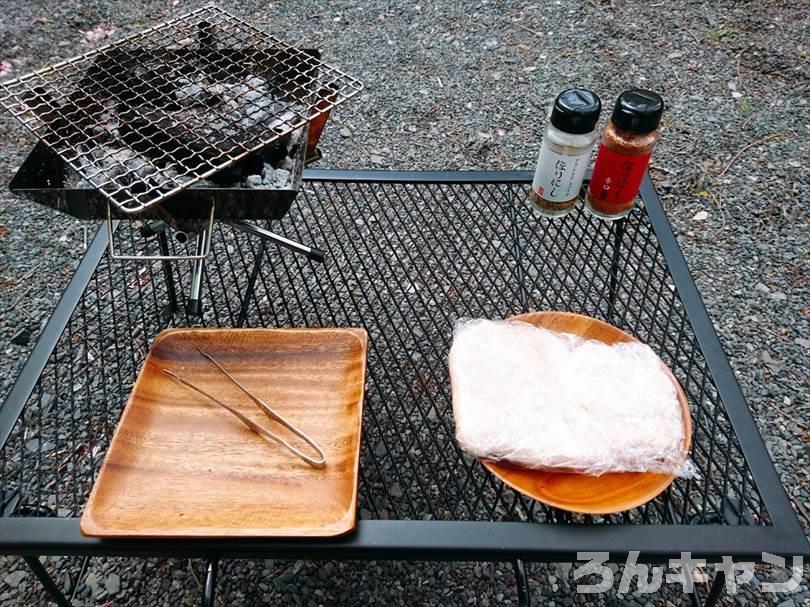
[{"x": 149, "y": 115}]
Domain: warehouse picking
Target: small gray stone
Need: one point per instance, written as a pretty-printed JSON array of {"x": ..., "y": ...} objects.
[
  {"x": 761, "y": 288},
  {"x": 563, "y": 570},
  {"x": 287, "y": 576},
  {"x": 15, "y": 578},
  {"x": 45, "y": 403},
  {"x": 112, "y": 584},
  {"x": 770, "y": 360},
  {"x": 92, "y": 583},
  {"x": 789, "y": 602},
  {"x": 778, "y": 296}
]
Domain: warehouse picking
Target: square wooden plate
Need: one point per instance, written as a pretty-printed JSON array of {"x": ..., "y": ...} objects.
[{"x": 180, "y": 465}]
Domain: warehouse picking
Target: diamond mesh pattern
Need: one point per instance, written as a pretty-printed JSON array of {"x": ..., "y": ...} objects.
[{"x": 404, "y": 261}]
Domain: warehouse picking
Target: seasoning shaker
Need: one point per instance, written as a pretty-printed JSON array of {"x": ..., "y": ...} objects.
[
  {"x": 565, "y": 152},
  {"x": 624, "y": 153}
]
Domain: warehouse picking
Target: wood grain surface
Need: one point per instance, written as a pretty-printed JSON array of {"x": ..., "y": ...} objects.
[
  {"x": 180, "y": 465},
  {"x": 610, "y": 492}
]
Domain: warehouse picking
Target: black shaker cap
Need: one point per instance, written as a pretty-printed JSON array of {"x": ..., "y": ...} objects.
[
  {"x": 576, "y": 111},
  {"x": 638, "y": 111}
]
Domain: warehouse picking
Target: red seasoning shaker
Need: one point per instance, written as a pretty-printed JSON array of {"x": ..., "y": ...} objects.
[{"x": 628, "y": 142}]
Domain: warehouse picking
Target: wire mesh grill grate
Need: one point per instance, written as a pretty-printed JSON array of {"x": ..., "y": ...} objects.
[
  {"x": 405, "y": 261},
  {"x": 149, "y": 115}
]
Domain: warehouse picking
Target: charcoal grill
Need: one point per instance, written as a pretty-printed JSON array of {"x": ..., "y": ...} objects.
[
  {"x": 148, "y": 116},
  {"x": 179, "y": 123}
]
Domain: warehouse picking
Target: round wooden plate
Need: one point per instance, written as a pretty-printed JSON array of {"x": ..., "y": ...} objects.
[{"x": 610, "y": 492}]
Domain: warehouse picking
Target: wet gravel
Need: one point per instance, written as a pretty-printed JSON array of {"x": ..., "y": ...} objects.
[{"x": 463, "y": 86}]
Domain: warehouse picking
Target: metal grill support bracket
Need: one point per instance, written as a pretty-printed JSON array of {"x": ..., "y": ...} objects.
[{"x": 197, "y": 256}]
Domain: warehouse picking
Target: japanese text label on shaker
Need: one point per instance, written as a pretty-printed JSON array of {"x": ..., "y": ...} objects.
[
  {"x": 625, "y": 151},
  {"x": 565, "y": 152}
]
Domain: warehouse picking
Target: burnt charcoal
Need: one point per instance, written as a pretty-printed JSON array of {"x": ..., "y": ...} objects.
[
  {"x": 119, "y": 163},
  {"x": 139, "y": 114},
  {"x": 152, "y": 131},
  {"x": 59, "y": 116},
  {"x": 253, "y": 181},
  {"x": 287, "y": 163},
  {"x": 133, "y": 77},
  {"x": 109, "y": 74},
  {"x": 190, "y": 135},
  {"x": 268, "y": 174},
  {"x": 153, "y": 83},
  {"x": 252, "y": 164},
  {"x": 190, "y": 94},
  {"x": 206, "y": 33},
  {"x": 282, "y": 178}
]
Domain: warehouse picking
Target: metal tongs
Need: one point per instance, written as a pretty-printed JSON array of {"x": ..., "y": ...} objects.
[{"x": 319, "y": 462}]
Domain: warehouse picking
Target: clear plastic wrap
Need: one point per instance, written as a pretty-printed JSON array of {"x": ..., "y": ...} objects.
[{"x": 546, "y": 400}]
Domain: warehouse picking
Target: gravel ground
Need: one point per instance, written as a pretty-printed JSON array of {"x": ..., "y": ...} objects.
[{"x": 461, "y": 86}]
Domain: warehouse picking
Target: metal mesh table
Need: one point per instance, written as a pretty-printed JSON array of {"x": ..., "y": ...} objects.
[{"x": 408, "y": 254}]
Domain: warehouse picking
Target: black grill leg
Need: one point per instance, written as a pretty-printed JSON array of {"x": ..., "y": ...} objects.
[
  {"x": 522, "y": 580},
  {"x": 617, "y": 228},
  {"x": 194, "y": 303},
  {"x": 47, "y": 581},
  {"x": 210, "y": 585}
]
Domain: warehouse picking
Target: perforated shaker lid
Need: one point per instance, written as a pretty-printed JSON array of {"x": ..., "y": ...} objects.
[
  {"x": 576, "y": 111},
  {"x": 638, "y": 111}
]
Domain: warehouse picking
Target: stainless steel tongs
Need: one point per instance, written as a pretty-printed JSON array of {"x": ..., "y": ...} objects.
[{"x": 319, "y": 462}]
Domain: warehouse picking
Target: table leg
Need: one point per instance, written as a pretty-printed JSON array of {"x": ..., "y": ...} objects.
[
  {"x": 715, "y": 591},
  {"x": 251, "y": 285},
  {"x": 210, "y": 584},
  {"x": 522, "y": 580},
  {"x": 47, "y": 581}
]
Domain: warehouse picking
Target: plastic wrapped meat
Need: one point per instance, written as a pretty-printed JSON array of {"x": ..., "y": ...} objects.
[{"x": 546, "y": 400}]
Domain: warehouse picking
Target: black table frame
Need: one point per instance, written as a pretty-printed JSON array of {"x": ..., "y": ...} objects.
[{"x": 441, "y": 540}]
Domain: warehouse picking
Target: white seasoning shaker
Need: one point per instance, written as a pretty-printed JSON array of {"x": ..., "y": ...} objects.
[{"x": 565, "y": 152}]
